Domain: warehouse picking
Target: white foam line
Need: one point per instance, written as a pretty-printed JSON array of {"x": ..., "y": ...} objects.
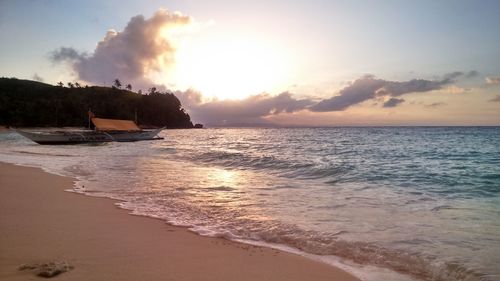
[{"x": 363, "y": 272}]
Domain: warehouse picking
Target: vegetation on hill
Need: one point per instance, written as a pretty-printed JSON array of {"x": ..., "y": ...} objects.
[{"x": 25, "y": 103}]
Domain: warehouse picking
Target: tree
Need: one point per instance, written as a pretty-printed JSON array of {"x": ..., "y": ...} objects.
[
  {"x": 77, "y": 85},
  {"x": 60, "y": 84},
  {"x": 71, "y": 85},
  {"x": 152, "y": 90},
  {"x": 117, "y": 83},
  {"x": 129, "y": 87},
  {"x": 47, "y": 105}
]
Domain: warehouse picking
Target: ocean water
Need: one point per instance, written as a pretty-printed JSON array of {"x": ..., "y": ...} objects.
[{"x": 388, "y": 203}]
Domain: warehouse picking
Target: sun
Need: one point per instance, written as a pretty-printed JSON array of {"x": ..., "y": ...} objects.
[{"x": 232, "y": 68}]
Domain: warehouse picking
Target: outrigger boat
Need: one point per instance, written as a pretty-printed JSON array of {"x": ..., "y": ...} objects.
[{"x": 106, "y": 130}]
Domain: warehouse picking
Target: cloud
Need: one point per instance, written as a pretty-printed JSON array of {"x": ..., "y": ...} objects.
[
  {"x": 189, "y": 98},
  {"x": 493, "y": 80},
  {"x": 246, "y": 111},
  {"x": 393, "y": 102},
  {"x": 255, "y": 108},
  {"x": 496, "y": 99},
  {"x": 65, "y": 54},
  {"x": 456, "y": 74},
  {"x": 450, "y": 77},
  {"x": 472, "y": 74},
  {"x": 37, "y": 77},
  {"x": 368, "y": 87},
  {"x": 142, "y": 50},
  {"x": 435, "y": 104},
  {"x": 130, "y": 55},
  {"x": 453, "y": 89}
]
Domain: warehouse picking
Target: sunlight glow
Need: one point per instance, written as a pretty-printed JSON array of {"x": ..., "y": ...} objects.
[
  {"x": 231, "y": 69},
  {"x": 224, "y": 177}
]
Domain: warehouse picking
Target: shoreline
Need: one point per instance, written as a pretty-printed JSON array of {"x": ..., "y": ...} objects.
[{"x": 41, "y": 222}]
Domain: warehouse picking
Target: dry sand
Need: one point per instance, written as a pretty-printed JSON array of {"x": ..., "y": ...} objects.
[{"x": 39, "y": 222}]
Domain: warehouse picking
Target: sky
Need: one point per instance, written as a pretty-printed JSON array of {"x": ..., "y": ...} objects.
[{"x": 288, "y": 63}]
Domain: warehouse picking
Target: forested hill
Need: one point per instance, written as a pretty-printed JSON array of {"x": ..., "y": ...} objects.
[{"x": 25, "y": 103}]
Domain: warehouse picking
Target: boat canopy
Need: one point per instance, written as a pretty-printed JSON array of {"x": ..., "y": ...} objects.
[{"x": 114, "y": 125}]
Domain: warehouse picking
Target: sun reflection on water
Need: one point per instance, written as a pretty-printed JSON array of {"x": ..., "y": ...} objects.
[{"x": 221, "y": 177}]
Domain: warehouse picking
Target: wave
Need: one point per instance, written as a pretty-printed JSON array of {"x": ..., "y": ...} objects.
[
  {"x": 364, "y": 253},
  {"x": 259, "y": 232},
  {"x": 273, "y": 164},
  {"x": 328, "y": 183}
]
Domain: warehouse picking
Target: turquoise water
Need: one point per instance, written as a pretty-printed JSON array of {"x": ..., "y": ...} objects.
[{"x": 420, "y": 201}]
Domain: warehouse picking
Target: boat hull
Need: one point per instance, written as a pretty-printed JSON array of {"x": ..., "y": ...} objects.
[
  {"x": 80, "y": 137},
  {"x": 65, "y": 137},
  {"x": 135, "y": 136}
]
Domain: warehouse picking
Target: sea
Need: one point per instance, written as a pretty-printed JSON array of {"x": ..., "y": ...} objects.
[{"x": 384, "y": 203}]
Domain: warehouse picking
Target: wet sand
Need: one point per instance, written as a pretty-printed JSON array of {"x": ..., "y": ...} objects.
[{"x": 40, "y": 222}]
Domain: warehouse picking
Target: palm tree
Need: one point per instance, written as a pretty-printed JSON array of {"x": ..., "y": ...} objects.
[
  {"x": 60, "y": 84},
  {"x": 129, "y": 87},
  {"x": 117, "y": 83}
]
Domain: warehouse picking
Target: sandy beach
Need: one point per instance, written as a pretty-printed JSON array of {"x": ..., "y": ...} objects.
[{"x": 40, "y": 222}]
